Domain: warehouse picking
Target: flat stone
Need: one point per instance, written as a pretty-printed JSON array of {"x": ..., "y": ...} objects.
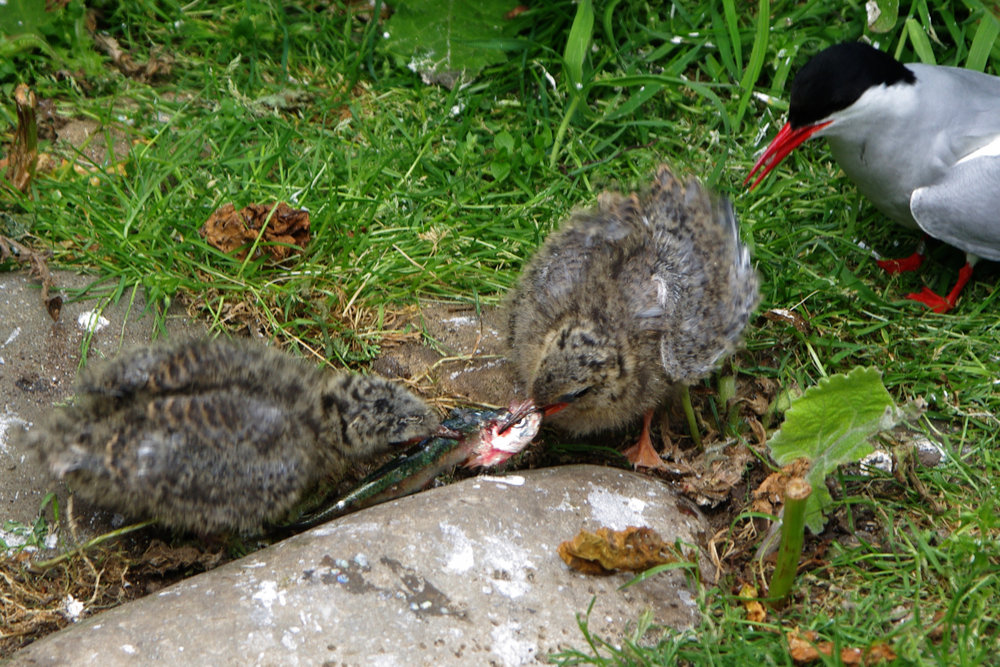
[
  {"x": 39, "y": 358},
  {"x": 466, "y": 362},
  {"x": 462, "y": 574}
]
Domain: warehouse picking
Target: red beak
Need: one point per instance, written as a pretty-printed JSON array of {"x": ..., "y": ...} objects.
[{"x": 783, "y": 144}]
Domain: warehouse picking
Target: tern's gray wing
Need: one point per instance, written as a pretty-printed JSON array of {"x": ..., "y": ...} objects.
[{"x": 963, "y": 208}]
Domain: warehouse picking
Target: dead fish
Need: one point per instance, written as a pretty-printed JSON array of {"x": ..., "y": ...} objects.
[{"x": 487, "y": 439}]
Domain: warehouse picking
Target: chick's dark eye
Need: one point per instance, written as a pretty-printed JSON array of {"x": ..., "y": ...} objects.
[{"x": 579, "y": 393}]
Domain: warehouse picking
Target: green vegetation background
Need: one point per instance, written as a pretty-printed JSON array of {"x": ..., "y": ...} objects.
[{"x": 421, "y": 191}]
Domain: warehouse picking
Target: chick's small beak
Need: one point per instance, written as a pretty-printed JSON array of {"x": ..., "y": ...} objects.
[
  {"x": 447, "y": 433},
  {"x": 553, "y": 408}
]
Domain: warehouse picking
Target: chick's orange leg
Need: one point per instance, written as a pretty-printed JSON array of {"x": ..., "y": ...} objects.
[{"x": 642, "y": 453}]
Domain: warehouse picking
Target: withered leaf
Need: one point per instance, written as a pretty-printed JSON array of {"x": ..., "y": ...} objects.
[
  {"x": 23, "y": 154},
  {"x": 159, "y": 64},
  {"x": 54, "y": 305},
  {"x": 804, "y": 647},
  {"x": 769, "y": 496},
  {"x": 38, "y": 269},
  {"x": 162, "y": 558},
  {"x": 716, "y": 473},
  {"x": 228, "y": 229},
  {"x": 606, "y": 551},
  {"x": 755, "y": 610}
]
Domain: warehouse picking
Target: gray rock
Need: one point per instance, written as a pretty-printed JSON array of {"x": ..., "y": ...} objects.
[
  {"x": 38, "y": 363},
  {"x": 466, "y": 360},
  {"x": 462, "y": 574}
]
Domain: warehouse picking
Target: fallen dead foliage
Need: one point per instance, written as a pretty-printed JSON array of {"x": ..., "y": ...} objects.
[
  {"x": 608, "y": 551},
  {"x": 804, "y": 647},
  {"x": 229, "y": 230},
  {"x": 769, "y": 496},
  {"x": 755, "y": 610},
  {"x": 159, "y": 65},
  {"x": 711, "y": 475},
  {"x": 33, "y": 605},
  {"x": 161, "y": 558},
  {"x": 38, "y": 269},
  {"x": 22, "y": 158}
]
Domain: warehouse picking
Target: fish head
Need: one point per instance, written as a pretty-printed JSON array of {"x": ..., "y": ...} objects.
[{"x": 506, "y": 434}]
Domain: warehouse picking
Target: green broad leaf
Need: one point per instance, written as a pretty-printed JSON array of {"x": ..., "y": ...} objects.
[
  {"x": 504, "y": 142},
  {"x": 882, "y": 15},
  {"x": 23, "y": 16},
  {"x": 446, "y": 42},
  {"x": 830, "y": 425}
]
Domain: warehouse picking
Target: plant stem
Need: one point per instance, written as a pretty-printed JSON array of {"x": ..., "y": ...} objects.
[
  {"x": 561, "y": 132},
  {"x": 46, "y": 564},
  {"x": 797, "y": 492},
  {"x": 689, "y": 413}
]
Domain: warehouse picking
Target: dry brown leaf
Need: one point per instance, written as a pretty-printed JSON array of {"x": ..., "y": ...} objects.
[
  {"x": 228, "y": 229},
  {"x": 879, "y": 652},
  {"x": 804, "y": 647},
  {"x": 767, "y": 497},
  {"x": 757, "y": 394},
  {"x": 715, "y": 472},
  {"x": 606, "y": 551},
  {"x": 161, "y": 558},
  {"x": 755, "y": 610},
  {"x": 23, "y": 154},
  {"x": 38, "y": 269},
  {"x": 159, "y": 64},
  {"x": 786, "y": 316}
]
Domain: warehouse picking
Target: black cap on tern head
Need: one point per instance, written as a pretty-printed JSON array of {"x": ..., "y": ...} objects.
[{"x": 836, "y": 77}]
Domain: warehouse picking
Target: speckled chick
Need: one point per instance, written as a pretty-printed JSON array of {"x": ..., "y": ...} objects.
[
  {"x": 623, "y": 301},
  {"x": 219, "y": 436}
]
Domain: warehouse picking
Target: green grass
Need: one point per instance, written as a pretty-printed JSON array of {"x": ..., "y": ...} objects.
[{"x": 410, "y": 199}]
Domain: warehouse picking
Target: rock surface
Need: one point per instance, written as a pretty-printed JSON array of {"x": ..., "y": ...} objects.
[
  {"x": 466, "y": 361},
  {"x": 462, "y": 574}
]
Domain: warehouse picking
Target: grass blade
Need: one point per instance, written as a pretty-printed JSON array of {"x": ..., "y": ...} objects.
[
  {"x": 578, "y": 43},
  {"x": 982, "y": 43}
]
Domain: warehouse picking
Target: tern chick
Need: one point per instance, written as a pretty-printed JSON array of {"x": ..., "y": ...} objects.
[
  {"x": 219, "y": 436},
  {"x": 623, "y": 301}
]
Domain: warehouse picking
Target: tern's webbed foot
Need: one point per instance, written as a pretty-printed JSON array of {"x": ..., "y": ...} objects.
[{"x": 942, "y": 304}]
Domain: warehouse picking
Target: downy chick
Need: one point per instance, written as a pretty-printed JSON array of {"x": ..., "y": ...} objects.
[
  {"x": 211, "y": 436},
  {"x": 623, "y": 301}
]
